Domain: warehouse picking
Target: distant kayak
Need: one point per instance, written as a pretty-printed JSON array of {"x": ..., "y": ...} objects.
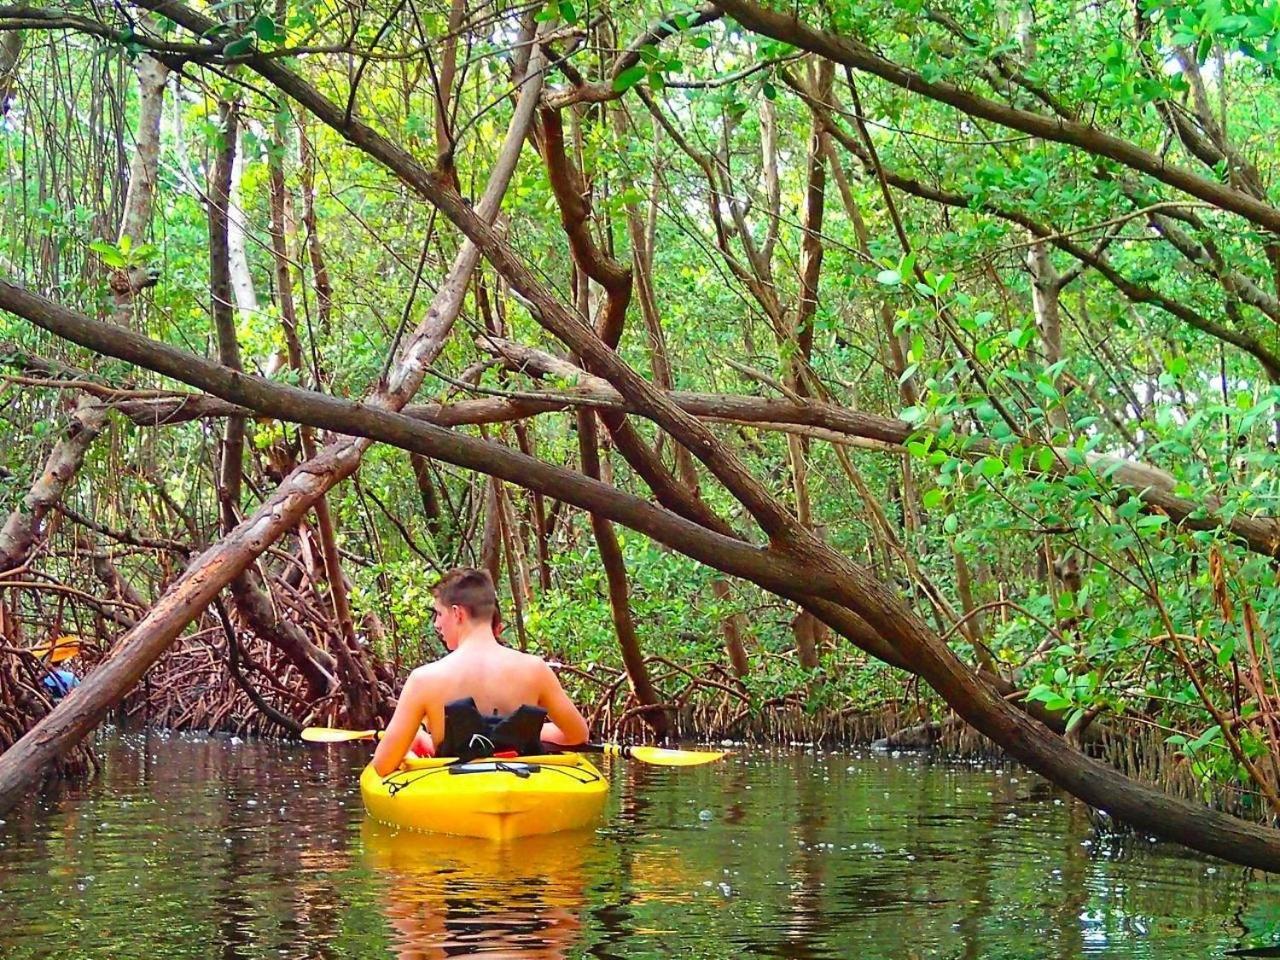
[{"x": 500, "y": 799}]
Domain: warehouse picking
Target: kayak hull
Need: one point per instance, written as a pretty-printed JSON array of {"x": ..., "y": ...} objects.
[{"x": 495, "y": 799}]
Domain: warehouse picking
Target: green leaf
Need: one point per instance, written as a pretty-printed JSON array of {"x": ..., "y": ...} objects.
[
  {"x": 628, "y": 78},
  {"x": 1022, "y": 337},
  {"x": 769, "y": 90},
  {"x": 568, "y": 12},
  {"x": 1209, "y": 736},
  {"x": 239, "y": 47},
  {"x": 890, "y": 278},
  {"x": 932, "y": 499},
  {"x": 700, "y": 43},
  {"x": 1226, "y": 651},
  {"x": 108, "y": 254},
  {"x": 265, "y": 28}
]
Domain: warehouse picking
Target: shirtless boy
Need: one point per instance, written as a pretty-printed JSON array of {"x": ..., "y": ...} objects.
[{"x": 499, "y": 679}]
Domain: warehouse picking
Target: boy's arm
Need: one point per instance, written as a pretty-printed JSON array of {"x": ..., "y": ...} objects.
[
  {"x": 567, "y": 726},
  {"x": 403, "y": 727}
]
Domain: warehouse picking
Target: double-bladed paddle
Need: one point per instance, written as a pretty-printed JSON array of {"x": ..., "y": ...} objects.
[{"x": 660, "y": 756}]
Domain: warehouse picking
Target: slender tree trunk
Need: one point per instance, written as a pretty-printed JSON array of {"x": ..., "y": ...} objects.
[
  {"x": 22, "y": 528},
  {"x": 515, "y": 569},
  {"x": 359, "y": 686},
  {"x": 427, "y": 491},
  {"x": 222, "y": 179},
  {"x": 315, "y": 252},
  {"x": 615, "y": 571},
  {"x": 808, "y": 631},
  {"x": 1046, "y": 285},
  {"x": 538, "y": 510},
  {"x": 143, "y": 171},
  {"x": 246, "y": 298},
  {"x": 248, "y": 590},
  {"x": 444, "y": 93},
  {"x": 733, "y": 625},
  {"x": 895, "y": 347},
  {"x": 491, "y": 536}
]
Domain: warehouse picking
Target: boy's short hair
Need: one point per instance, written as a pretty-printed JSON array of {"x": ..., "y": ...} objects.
[{"x": 470, "y": 589}]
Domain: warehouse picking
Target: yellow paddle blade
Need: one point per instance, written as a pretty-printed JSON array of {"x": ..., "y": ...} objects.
[
  {"x": 64, "y": 648},
  {"x": 334, "y": 735},
  {"x": 664, "y": 757}
]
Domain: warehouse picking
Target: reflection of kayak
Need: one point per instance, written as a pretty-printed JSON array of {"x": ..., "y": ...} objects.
[
  {"x": 433, "y": 862},
  {"x": 467, "y": 896},
  {"x": 498, "y": 799}
]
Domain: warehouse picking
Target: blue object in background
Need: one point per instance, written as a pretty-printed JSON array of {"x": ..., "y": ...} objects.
[{"x": 60, "y": 682}]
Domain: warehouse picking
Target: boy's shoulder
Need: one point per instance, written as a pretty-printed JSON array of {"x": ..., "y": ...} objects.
[
  {"x": 423, "y": 675},
  {"x": 517, "y": 663},
  {"x": 530, "y": 660}
]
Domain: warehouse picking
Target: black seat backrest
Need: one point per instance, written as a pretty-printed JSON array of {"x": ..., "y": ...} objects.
[{"x": 469, "y": 734}]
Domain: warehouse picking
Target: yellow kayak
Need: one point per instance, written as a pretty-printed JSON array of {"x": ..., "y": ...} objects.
[{"x": 495, "y": 798}]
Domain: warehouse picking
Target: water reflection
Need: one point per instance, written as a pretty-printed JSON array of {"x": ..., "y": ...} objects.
[
  {"x": 201, "y": 849},
  {"x": 469, "y": 897}
]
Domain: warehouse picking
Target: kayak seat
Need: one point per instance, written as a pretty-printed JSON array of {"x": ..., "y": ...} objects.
[{"x": 469, "y": 734}]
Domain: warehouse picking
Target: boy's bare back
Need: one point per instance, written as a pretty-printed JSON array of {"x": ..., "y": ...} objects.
[{"x": 499, "y": 679}]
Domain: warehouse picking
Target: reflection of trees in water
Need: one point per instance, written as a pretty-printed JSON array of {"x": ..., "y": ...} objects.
[
  {"x": 979, "y": 866},
  {"x": 802, "y": 918},
  {"x": 615, "y": 918},
  {"x": 310, "y": 855},
  {"x": 634, "y": 797},
  {"x": 291, "y": 840}
]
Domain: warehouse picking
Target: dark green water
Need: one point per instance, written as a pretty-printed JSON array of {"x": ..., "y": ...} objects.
[{"x": 197, "y": 848}]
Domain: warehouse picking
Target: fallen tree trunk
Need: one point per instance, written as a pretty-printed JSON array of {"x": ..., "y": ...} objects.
[{"x": 1153, "y": 486}]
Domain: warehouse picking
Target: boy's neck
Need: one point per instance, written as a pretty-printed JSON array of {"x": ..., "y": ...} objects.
[{"x": 477, "y": 636}]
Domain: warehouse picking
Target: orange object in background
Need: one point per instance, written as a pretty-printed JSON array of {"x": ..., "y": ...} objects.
[{"x": 63, "y": 648}]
